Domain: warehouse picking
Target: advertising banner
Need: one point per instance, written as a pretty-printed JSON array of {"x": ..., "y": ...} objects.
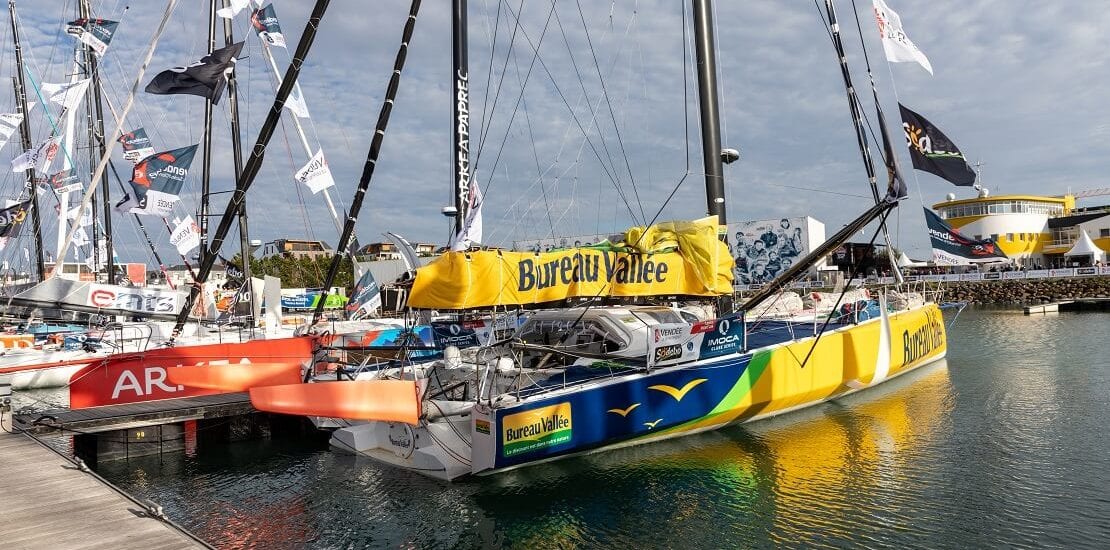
[
  {"x": 674, "y": 343},
  {"x": 138, "y": 377}
]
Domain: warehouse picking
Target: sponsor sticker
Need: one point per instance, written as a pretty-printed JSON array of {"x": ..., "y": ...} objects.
[{"x": 536, "y": 429}]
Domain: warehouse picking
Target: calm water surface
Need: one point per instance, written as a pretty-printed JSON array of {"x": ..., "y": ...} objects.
[{"x": 1004, "y": 445}]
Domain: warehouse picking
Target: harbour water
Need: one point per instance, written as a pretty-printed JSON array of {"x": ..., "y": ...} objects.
[{"x": 1004, "y": 444}]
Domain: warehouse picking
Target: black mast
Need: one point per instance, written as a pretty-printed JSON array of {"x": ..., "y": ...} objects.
[
  {"x": 206, "y": 158},
  {"x": 707, "y": 101},
  {"x": 460, "y": 109},
  {"x": 705, "y": 54},
  {"x": 237, "y": 155},
  {"x": 25, "y": 138},
  {"x": 96, "y": 131},
  {"x": 371, "y": 157},
  {"x": 254, "y": 163}
]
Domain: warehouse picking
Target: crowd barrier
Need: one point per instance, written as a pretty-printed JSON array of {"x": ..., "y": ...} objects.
[{"x": 1065, "y": 273}]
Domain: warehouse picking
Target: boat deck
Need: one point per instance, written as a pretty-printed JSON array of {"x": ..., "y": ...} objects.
[{"x": 49, "y": 502}]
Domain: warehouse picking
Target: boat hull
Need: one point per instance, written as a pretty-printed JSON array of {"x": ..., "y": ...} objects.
[{"x": 707, "y": 395}]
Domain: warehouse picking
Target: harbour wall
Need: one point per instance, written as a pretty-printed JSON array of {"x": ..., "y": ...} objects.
[{"x": 1034, "y": 291}]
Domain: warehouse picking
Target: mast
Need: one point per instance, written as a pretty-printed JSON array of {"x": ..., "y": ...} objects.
[
  {"x": 25, "y": 138},
  {"x": 206, "y": 158},
  {"x": 96, "y": 130},
  {"x": 706, "y": 56},
  {"x": 254, "y": 163},
  {"x": 460, "y": 110},
  {"x": 371, "y": 157},
  {"x": 237, "y": 155}
]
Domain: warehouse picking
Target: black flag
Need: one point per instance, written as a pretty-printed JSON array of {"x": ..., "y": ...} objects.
[
  {"x": 204, "y": 78},
  {"x": 932, "y": 151},
  {"x": 12, "y": 217}
]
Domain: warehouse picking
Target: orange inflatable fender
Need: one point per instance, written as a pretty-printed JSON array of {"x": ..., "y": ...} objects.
[
  {"x": 234, "y": 378},
  {"x": 383, "y": 400}
]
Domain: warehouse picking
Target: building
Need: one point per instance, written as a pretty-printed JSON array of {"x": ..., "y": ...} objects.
[
  {"x": 1030, "y": 229},
  {"x": 296, "y": 248},
  {"x": 181, "y": 277},
  {"x": 127, "y": 273},
  {"x": 388, "y": 251}
]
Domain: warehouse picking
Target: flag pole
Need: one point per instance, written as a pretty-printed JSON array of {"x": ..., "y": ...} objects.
[
  {"x": 100, "y": 167},
  {"x": 254, "y": 163},
  {"x": 25, "y": 135},
  {"x": 371, "y": 158}
]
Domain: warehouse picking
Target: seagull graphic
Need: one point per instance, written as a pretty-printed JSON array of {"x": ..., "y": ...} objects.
[
  {"x": 624, "y": 412},
  {"x": 651, "y": 425},
  {"x": 678, "y": 394}
]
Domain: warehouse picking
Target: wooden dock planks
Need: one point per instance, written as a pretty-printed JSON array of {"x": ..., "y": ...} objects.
[{"x": 48, "y": 502}]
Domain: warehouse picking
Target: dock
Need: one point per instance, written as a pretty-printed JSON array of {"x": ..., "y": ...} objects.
[
  {"x": 136, "y": 415},
  {"x": 52, "y": 502},
  {"x": 1078, "y": 304}
]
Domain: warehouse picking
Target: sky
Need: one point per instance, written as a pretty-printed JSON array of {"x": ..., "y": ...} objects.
[{"x": 1019, "y": 86}]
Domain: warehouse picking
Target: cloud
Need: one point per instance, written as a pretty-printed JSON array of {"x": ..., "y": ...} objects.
[{"x": 1019, "y": 89}]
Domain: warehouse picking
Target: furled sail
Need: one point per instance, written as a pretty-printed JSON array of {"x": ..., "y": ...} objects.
[{"x": 674, "y": 258}]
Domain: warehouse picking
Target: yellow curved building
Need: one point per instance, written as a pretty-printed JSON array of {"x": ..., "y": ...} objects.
[{"x": 1030, "y": 229}]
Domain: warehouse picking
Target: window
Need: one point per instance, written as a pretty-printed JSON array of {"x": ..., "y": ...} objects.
[
  {"x": 978, "y": 237},
  {"x": 1010, "y": 237},
  {"x": 1104, "y": 232},
  {"x": 994, "y": 237}
]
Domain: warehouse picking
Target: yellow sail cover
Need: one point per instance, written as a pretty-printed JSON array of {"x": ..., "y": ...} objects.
[{"x": 673, "y": 258}]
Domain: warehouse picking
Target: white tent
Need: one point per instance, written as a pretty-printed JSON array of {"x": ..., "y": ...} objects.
[
  {"x": 905, "y": 261},
  {"x": 1084, "y": 246}
]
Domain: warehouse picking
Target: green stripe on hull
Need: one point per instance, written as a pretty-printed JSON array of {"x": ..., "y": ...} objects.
[{"x": 731, "y": 400}]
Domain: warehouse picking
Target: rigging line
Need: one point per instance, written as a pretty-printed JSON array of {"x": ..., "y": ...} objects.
[
  {"x": 612, "y": 115},
  {"x": 497, "y": 94},
  {"x": 574, "y": 115},
  {"x": 489, "y": 71},
  {"x": 532, "y": 139},
  {"x": 520, "y": 97},
  {"x": 589, "y": 103}
]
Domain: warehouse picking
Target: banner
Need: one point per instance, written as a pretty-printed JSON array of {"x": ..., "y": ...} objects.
[
  {"x": 134, "y": 299},
  {"x": 265, "y": 23},
  {"x": 950, "y": 247},
  {"x": 932, "y": 151},
  {"x": 95, "y": 33},
  {"x": 185, "y": 236},
  {"x": 66, "y": 181},
  {"x": 156, "y": 182},
  {"x": 674, "y": 343},
  {"x": 39, "y": 158},
  {"x": 204, "y": 78},
  {"x": 316, "y": 174},
  {"x": 138, "y": 377},
  {"x": 68, "y": 95},
  {"x": 365, "y": 298},
  {"x": 136, "y": 146},
  {"x": 12, "y": 217},
  {"x": 896, "y": 44},
  {"x": 459, "y": 280},
  {"x": 9, "y": 123}
]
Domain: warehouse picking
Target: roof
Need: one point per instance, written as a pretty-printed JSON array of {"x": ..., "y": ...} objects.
[
  {"x": 1069, "y": 221},
  {"x": 1084, "y": 246}
]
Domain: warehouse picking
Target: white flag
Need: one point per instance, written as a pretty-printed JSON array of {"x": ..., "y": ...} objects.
[
  {"x": 896, "y": 44},
  {"x": 233, "y": 9},
  {"x": 472, "y": 226},
  {"x": 80, "y": 237},
  {"x": 295, "y": 102},
  {"x": 185, "y": 236},
  {"x": 9, "y": 123},
  {"x": 69, "y": 96},
  {"x": 316, "y": 174},
  {"x": 38, "y": 158}
]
